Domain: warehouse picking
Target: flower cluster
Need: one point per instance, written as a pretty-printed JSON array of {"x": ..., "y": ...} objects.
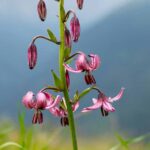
[
  {"x": 46, "y": 101},
  {"x": 58, "y": 105}
]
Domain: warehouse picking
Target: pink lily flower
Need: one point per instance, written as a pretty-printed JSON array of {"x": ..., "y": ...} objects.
[
  {"x": 62, "y": 113},
  {"x": 104, "y": 103},
  {"x": 83, "y": 64},
  {"x": 42, "y": 101}
]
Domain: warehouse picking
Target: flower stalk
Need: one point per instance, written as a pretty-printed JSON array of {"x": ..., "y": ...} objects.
[
  {"x": 64, "y": 106},
  {"x": 63, "y": 79}
]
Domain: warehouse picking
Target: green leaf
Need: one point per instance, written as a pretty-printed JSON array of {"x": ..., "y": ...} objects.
[
  {"x": 76, "y": 96},
  {"x": 29, "y": 137},
  {"x": 57, "y": 80},
  {"x": 85, "y": 92},
  {"x": 63, "y": 14},
  {"x": 52, "y": 36},
  {"x": 139, "y": 138},
  {"x": 11, "y": 144},
  {"x": 21, "y": 118},
  {"x": 116, "y": 147},
  {"x": 123, "y": 142}
]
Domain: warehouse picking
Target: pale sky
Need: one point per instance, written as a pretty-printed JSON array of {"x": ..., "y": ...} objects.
[{"x": 93, "y": 10}]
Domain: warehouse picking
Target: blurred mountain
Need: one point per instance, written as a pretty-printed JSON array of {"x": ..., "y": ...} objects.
[{"x": 121, "y": 40}]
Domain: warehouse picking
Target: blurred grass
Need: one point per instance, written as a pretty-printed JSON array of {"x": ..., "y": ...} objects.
[{"x": 39, "y": 137}]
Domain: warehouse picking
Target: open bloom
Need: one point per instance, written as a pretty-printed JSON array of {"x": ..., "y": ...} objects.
[
  {"x": 80, "y": 4},
  {"x": 32, "y": 56},
  {"x": 42, "y": 11},
  {"x": 75, "y": 28},
  {"x": 61, "y": 112},
  {"x": 42, "y": 101},
  {"x": 83, "y": 64},
  {"x": 104, "y": 103}
]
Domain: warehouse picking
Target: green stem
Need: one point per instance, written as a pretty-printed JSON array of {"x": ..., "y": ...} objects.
[{"x": 63, "y": 79}]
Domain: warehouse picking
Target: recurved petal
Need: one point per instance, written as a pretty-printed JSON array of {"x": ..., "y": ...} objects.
[
  {"x": 57, "y": 112},
  {"x": 28, "y": 100},
  {"x": 108, "y": 107},
  {"x": 67, "y": 67},
  {"x": 54, "y": 111},
  {"x": 75, "y": 106},
  {"x": 55, "y": 102},
  {"x": 95, "y": 61},
  {"x": 94, "y": 100},
  {"x": 117, "y": 97},
  {"x": 41, "y": 101},
  {"x": 93, "y": 107}
]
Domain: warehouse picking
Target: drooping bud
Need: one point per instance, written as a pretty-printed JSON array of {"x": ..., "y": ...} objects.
[
  {"x": 75, "y": 28},
  {"x": 68, "y": 41},
  {"x": 67, "y": 79},
  {"x": 42, "y": 11},
  {"x": 32, "y": 56},
  {"x": 80, "y": 4}
]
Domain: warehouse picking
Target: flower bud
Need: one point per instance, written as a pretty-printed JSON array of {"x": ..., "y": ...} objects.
[
  {"x": 42, "y": 11},
  {"x": 32, "y": 56},
  {"x": 75, "y": 28},
  {"x": 68, "y": 41},
  {"x": 67, "y": 79},
  {"x": 80, "y": 4}
]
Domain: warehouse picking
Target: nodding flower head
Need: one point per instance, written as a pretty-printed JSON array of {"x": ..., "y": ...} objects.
[
  {"x": 87, "y": 65},
  {"x": 68, "y": 41},
  {"x": 80, "y": 4},
  {"x": 62, "y": 113},
  {"x": 42, "y": 11},
  {"x": 104, "y": 103},
  {"x": 75, "y": 28},
  {"x": 32, "y": 56},
  {"x": 41, "y": 101}
]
